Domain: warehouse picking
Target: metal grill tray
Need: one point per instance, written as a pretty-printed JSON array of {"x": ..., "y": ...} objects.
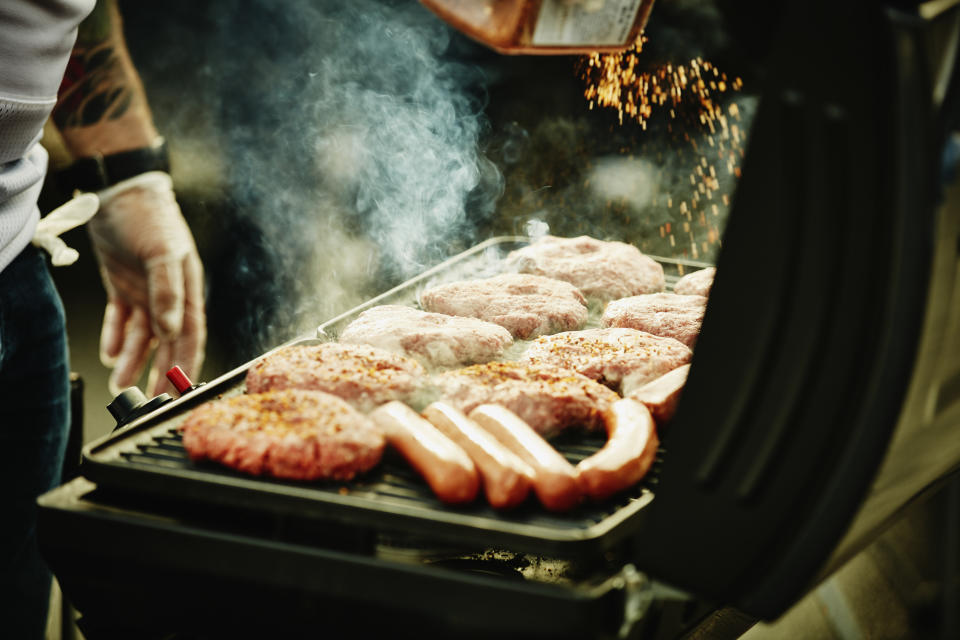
[{"x": 147, "y": 457}]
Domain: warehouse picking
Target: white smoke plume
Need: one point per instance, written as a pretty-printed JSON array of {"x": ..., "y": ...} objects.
[{"x": 352, "y": 152}]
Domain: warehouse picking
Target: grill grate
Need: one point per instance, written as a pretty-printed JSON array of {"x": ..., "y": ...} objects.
[{"x": 394, "y": 481}]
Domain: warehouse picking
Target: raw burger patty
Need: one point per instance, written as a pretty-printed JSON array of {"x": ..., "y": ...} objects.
[
  {"x": 362, "y": 375},
  {"x": 525, "y": 305},
  {"x": 546, "y": 398},
  {"x": 697, "y": 283},
  {"x": 435, "y": 339},
  {"x": 611, "y": 356},
  {"x": 662, "y": 314},
  {"x": 601, "y": 270},
  {"x": 294, "y": 434}
]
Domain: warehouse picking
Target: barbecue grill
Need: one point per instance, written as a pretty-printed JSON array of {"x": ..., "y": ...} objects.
[
  {"x": 527, "y": 564},
  {"x": 823, "y": 397}
]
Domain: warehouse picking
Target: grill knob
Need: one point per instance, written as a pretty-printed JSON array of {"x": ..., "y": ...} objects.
[{"x": 131, "y": 404}]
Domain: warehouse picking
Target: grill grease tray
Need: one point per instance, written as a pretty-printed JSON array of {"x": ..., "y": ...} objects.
[{"x": 147, "y": 458}]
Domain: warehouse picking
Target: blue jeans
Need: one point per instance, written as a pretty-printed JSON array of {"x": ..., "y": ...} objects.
[{"x": 34, "y": 420}]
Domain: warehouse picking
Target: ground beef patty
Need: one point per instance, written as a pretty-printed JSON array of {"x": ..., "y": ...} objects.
[
  {"x": 612, "y": 356},
  {"x": 525, "y": 305},
  {"x": 434, "y": 339},
  {"x": 547, "y": 398},
  {"x": 362, "y": 375},
  {"x": 601, "y": 270},
  {"x": 293, "y": 434},
  {"x": 697, "y": 283},
  {"x": 662, "y": 314}
]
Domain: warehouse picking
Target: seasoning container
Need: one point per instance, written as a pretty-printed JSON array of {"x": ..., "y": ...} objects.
[{"x": 547, "y": 27}]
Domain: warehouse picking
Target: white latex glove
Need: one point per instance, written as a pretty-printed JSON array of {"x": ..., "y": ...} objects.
[
  {"x": 154, "y": 282},
  {"x": 65, "y": 217}
]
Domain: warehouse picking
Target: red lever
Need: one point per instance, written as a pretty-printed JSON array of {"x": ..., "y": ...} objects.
[{"x": 179, "y": 380}]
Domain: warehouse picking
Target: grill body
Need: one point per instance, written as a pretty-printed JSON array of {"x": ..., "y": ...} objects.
[{"x": 298, "y": 554}]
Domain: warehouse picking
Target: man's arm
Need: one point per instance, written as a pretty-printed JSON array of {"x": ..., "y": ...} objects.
[
  {"x": 147, "y": 256},
  {"x": 102, "y": 108}
]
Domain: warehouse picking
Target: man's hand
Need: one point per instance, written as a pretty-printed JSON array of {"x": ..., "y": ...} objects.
[{"x": 154, "y": 282}]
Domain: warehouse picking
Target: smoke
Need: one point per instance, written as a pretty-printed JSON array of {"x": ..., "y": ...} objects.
[
  {"x": 352, "y": 145},
  {"x": 629, "y": 180}
]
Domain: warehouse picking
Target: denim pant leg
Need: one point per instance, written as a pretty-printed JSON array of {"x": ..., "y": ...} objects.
[{"x": 34, "y": 420}]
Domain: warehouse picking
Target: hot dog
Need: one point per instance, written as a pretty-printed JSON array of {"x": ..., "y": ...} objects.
[
  {"x": 506, "y": 478},
  {"x": 554, "y": 478},
  {"x": 442, "y": 463},
  {"x": 660, "y": 396},
  {"x": 631, "y": 447}
]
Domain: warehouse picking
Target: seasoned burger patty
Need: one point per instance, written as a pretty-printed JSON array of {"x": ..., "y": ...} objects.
[
  {"x": 662, "y": 314},
  {"x": 435, "y": 339},
  {"x": 362, "y": 375},
  {"x": 611, "y": 356},
  {"x": 697, "y": 283},
  {"x": 525, "y": 305},
  {"x": 546, "y": 398},
  {"x": 601, "y": 270},
  {"x": 294, "y": 434}
]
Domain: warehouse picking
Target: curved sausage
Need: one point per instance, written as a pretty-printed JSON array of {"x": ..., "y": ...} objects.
[
  {"x": 444, "y": 465},
  {"x": 554, "y": 479},
  {"x": 631, "y": 447},
  {"x": 661, "y": 396},
  {"x": 506, "y": 478}
]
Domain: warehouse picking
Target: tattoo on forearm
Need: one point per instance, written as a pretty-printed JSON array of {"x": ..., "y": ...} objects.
[{"x": 95, "y": 86}]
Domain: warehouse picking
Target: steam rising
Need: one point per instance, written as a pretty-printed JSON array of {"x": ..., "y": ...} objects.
[
  {"x": 629, "y": 180},
  {"x": 352, "y": 146}
]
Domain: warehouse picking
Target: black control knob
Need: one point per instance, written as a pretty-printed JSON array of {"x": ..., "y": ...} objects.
[{"x": 131, "y": 403}]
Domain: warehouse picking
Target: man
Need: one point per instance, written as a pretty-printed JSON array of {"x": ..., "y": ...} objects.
[{"x": 146, "y": 253}]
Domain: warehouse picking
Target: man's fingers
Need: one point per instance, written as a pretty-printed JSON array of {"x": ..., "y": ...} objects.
[
  {"x": 112, "y": 332},
  {"x": 163, "y": 359},
  {"x": 193, "y": 341},
  {"x": 166, "y": 287},
  {"x": 133, "y": 354},
  {"x": 186, "y": 349}
]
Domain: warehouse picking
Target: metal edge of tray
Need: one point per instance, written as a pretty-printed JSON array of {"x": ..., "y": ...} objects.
[{"x": 103, "y": 464}]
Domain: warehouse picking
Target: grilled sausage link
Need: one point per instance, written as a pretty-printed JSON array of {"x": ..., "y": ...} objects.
[
  {"x": 661, "y": 396},
  {"x": 506, "y": 478},
  {"x": 631, "y": 447},
  {"x": 554, "y": 479},
  {"x": 444, "y": 465}
]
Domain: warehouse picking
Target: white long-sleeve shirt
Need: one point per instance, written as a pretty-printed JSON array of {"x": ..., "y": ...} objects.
[{"x": 36, "y": 37}]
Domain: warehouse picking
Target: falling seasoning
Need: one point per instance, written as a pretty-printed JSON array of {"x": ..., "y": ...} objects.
[{"x": 690, "y": 94}]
